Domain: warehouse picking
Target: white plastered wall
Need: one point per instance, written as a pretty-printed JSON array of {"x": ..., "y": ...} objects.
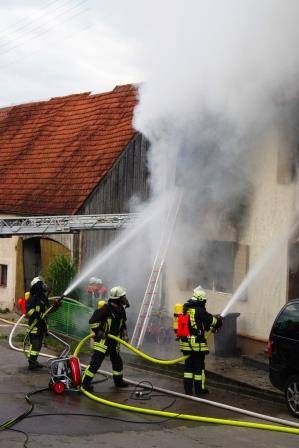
[
  {"x": 8, "y": 256},
  {"x": 271, "y": 212}
]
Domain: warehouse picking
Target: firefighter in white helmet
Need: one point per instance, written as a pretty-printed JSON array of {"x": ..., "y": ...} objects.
[
  {"x": 108, "y": 318},
  {"x": 201, "y": 323},
  {"x": 95, "y": 290},
  {"x": 36, "y": 305}
]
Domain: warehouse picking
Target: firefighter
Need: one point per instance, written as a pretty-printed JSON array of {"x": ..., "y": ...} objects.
[
  {"x": 36, "y": 305},
  {"x": 91, "y": 291},
  {"x": 108, "y": 318},
  {"x": 201, "y": 323},
  {"x": 95, "y": 291}
]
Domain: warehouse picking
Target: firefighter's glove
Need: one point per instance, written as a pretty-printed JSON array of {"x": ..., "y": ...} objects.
[
  {"x": 218, "y": 324},
  {"x": 100, "y": 334},
  {"x": 56, "y": 304}
]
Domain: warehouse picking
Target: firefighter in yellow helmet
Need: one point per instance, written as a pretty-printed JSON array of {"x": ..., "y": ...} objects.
[
  {"x": 108, "y": 318},
  {"x": 201, "y": 323}
]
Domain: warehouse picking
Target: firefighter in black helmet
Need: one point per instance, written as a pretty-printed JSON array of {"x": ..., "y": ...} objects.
[
  {"x": 201, "y": 323},
  {"x": 36, "y": 306},
  {"x": 108, "y": 318}
]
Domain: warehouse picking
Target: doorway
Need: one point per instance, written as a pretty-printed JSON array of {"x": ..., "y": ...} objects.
[{"x": 32, "y": 260}]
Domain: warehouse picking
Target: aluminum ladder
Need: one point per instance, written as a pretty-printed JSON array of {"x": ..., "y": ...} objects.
[{"x": 153, "y": 282}]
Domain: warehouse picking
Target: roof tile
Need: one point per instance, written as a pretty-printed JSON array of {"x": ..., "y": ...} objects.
[{"x": 48, "y": 149}]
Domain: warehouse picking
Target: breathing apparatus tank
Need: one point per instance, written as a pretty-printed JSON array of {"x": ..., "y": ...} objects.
[
  {"x": 180, "y": 322},
  {"x": 22, "y": 303}
]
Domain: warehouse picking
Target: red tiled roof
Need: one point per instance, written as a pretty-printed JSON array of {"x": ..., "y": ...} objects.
[{"x": 54, "y": 153}]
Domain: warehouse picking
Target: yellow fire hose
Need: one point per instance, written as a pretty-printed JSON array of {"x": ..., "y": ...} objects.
[
  {"x": 133, "y": 349},
  {"x": 196, "y": 418},
  {"x": 244, "y": 424}
]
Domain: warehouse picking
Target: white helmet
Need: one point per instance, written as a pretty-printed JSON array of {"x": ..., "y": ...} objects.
[
  {"x": 92, "y": 280},
  {"x": 35, "y": 280},
  {"x": 199, "y": 294},
  {"x": 117, "y": 292},
  {"x": 98, "y": 281}
]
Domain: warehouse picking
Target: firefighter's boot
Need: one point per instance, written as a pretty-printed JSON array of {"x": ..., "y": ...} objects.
[
  {"x": 87, "y": 379},
  {"x": 188, "y": 386},
  {"x": 199, "y": 384},
  {"x": 86, "y": 384},
  {"x": 34, "y": 365},
  {"x": 119, "y": 382}
]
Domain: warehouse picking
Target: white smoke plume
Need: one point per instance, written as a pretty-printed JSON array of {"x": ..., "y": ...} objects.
[{"x": 217, "y": 74}]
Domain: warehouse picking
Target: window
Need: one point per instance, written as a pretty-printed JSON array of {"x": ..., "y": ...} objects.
[
  {"x": 3, "y": 274},
  {"x": 287, "y": 323},
  {"x": 214, "y": 269}
]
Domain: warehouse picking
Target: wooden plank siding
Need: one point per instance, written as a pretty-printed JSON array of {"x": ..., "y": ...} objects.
[
  {"x": 49, "y": 250},
  {"x": 126, "y": 179}
]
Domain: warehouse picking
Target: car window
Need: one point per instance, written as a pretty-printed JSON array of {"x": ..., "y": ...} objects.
[{"x": 287, "y": 323}]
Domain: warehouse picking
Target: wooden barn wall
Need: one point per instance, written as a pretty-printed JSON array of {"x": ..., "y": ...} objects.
[{"x": 127, "y": 178}]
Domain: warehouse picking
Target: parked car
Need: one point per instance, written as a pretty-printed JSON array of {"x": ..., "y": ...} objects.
[{"x": 283, "y": 352}]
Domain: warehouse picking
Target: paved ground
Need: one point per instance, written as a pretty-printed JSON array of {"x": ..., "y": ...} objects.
[{"x": 114, "y": 428}]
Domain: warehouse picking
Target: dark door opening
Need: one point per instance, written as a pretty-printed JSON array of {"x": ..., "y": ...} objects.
[{"x": 32, "y": 260}]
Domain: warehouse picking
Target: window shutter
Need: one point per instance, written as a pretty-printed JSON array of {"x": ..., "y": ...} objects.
[
  {"x": 285, "y": 164},
  {"x": 241, "y": 264}
]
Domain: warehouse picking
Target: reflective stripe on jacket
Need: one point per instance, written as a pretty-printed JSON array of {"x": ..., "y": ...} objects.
[
  {"x": 200, "y": 323},
  {"x": 108, "y": 319}
]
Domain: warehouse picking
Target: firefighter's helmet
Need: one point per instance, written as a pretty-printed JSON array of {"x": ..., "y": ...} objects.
[
  {"x": 35, "y": 280},
  {"x": 101, "y": 303},
  {"x": 117, "y": 292},
  {"x": 92, "y": 280},
  {"x": 98, "y": 281},
  {"x": 199, "y": 294}
]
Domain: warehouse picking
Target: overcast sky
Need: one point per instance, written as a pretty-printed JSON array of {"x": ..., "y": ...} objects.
[{"x": 56, "y": 47}]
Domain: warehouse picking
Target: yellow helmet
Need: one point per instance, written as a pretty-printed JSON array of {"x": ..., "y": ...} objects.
[{"x": 101, "y": 303}]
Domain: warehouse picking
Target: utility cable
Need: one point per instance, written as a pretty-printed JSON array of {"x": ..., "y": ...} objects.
[
  {"x": 42, "y": 27},
  {"x": 28, "y": 23}
]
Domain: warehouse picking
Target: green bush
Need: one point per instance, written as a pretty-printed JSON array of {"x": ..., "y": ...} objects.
[{"x": 59, "y": 274}]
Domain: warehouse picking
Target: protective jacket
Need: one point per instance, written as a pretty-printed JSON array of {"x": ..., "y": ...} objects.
[
  {"x": 108, "y": 319},
  {"x": 200, "y": 325},
  {"x": 36, "y": 306}
]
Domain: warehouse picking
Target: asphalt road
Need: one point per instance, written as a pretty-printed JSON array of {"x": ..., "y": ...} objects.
[{"x": 104, "y": 426}]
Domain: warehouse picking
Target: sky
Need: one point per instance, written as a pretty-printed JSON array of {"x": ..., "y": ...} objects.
[{"x": 53, "y": 48}]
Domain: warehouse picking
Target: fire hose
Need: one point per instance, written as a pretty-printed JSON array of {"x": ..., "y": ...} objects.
[
  {"x": 292, "y": 428},
  {"x": 166, "y": 414}
]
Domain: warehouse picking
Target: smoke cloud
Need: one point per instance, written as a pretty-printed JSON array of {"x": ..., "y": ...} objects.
[{"x": 217, "y": 74}]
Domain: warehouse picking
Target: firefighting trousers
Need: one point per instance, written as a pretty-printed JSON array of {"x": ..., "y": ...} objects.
[
  {"x": 36, "y": 341},
  {"x": 194, "y": 372},
  {"x": 95, "y": 363}
]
